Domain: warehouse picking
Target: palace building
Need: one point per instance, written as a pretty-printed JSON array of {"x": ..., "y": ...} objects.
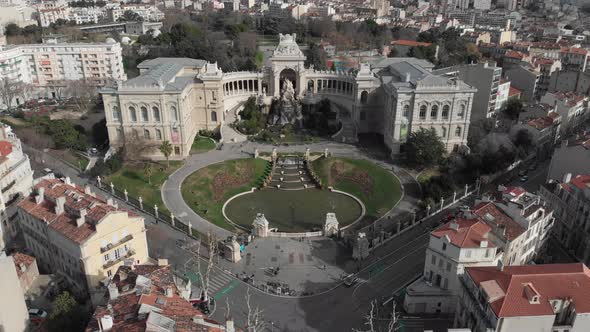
[{"x": 173, "y": 98}]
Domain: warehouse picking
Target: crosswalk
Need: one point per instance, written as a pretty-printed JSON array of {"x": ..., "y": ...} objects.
[{"x": 218, "y": 280}]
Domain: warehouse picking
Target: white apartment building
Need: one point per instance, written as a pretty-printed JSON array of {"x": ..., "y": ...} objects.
[
  {"x": 502, "y": 95},
  {"x": 452, "y": 247},
  {"x": 530, "y": 298},
  {"x": 79, "y": 236},
  {"x": 16, "y": 176},
  {"x": 570, "y": 201},
  {"x": 49, "y": 11},
  {"x": 47, "y": 66},
  {"x": 14, "y": 316},
  {"x": 520, "y": 222},
  {"x": 149, "y": 13},
  {"x": 572, "y": 107}
]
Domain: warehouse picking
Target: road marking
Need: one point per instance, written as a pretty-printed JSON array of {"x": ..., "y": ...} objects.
[{"x": 226, "y": 290}]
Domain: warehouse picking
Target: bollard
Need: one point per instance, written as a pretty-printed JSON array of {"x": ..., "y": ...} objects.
[
  {"x": 99, "y": 181},
  {"x": 112, "y": 189},
  {"x": 156, "y": 210},
  {"x": 140, "y": 203},
  {"x": 190, "y": 229},
  {"x": 172, "y": 219},
  {"x": 126, "y": 195}
]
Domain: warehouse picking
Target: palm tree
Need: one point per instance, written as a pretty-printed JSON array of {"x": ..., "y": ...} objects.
[
  {"x": 166, "y": 149},
  {"x": 148, "y": 170}
]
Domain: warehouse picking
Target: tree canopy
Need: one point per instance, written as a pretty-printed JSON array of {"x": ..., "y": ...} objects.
[
  {"x": 424, "y": 148},
  {"x": 66, "y": 315},
  {"x": 513, "y": 108}
]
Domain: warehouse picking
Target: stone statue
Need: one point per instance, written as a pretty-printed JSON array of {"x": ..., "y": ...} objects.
[{"x": 286, "y": 109}]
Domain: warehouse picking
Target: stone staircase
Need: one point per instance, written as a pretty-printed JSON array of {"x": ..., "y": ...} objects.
[
  {"x": 348, "y": 133},
  {"x": 291, "y": 173}
]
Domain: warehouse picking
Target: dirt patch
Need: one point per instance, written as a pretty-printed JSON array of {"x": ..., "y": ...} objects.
[
  {"x": 224, "y": 180},
  {"x": 340, "y": 171}
]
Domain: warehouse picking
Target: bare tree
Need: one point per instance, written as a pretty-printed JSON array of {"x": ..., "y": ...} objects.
[
  {"x": 9, "y": 90},
  {"x": 254, "y": 319},
  {"x": 212, "y": 252},
  {"x": 375, "y": 324},
  {"x": 58, "y": 87},
  {"x": 82, "y": 93}
]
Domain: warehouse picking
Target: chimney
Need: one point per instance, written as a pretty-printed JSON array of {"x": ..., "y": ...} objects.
[
  {"x": 567, "y": 178},
  {"x": 408, "y": 77},
  {"x": 22, "y": 267},
  {"x": 113, "y": 291},
  {"x": 162, "y": 262},
  {"x": 229, "y": 325},
  {"x": 60, "y": 205},
  {"x": 87, "y": 190},
  {"x": 82, "y": 219},
  {"x": 483, "y": 244},
  {"x": 68, "y": 181},
  {"x": 105, "y": 323},
  {"x": 198, "y": 320},
  {"x": 110, "y": 202},
  {"x": 454, "y": 225},
  {"x": 40, "y": 195},
  {"x": 169, "y": 292}
]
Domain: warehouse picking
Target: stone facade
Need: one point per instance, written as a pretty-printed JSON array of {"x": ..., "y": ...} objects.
[{"x": 173, "y": 98}]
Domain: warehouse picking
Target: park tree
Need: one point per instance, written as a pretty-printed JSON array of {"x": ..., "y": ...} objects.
[
  {"x": 65, "y": 135},
  {"x": 375, "y": 323},
  {"x": 82, "y": 93},
  {"x": 66, "y": 315},
  {"x": 100, "y": 133},
  {"x": 316, "y": 57},
  {"x": 424, "y": 148},
  {"x": 148, "y": 171},
  {"x": 130, "y": 16},
  {"x": 166, "y": 149},
  {"x": 513, "y": 108},
  {"x": 9, "y": 91}
]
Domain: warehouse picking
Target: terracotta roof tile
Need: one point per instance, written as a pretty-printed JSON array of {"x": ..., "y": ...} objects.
[
  {"x": 491, "y": 214},
  {"x": 550, "y": 281},
  {"x": 20, "y": 258},
  {"x": 464, "y": 233}
]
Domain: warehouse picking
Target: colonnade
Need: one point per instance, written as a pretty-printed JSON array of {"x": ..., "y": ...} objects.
[
  {"x": 334, "y": 86},
  {"x": 242, "y": 86}
]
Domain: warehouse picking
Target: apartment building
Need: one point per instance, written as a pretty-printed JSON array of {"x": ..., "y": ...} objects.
[
  {"x": 531, "y": 298},
  {"x": 49, "y": 11},
  {"x": 520, "y": 223},
  {"x": 47, "y": 66},
  {"x": 574, "y": 58},
  {"x": 502, "y": 95},
  {"x": 79, "y": 236},
  {"x": 526, "y": 79},
  {"x": 13, "y": 309},
  {"x": 452, "y": 247},
  {"x": 546, "y": 67},
  {"x": 16, "y": 175},
  {"x": 572, "y": 107},
  {"x": 485, "y": 77},
  {"x": 151, "y": 298},
  {"x": 570, "y": 201},
  {"x": 570, "y": 157}
]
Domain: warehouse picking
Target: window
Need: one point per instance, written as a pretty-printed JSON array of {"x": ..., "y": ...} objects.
[
  {"x": 213, "y": 116},
  {"x": 445, "y": 112},
  {"x": 363, "y": 115},
  {"x": 146, "y": 134},
  {"x": 119, "y": 132},
  {"x": 468, "y": 253},
  {"x": 440, "y": 263},
  {"x": 458, "y": 132},
  {"x": 434, "y": 112},
  {"x": 132, "y": 114},
  {"x": 106, "y": 257},
  {"x": 444, "y": 132},
  {"x": 461, "y": 111},
  {"x": 156, "y": 112},
  {"x": 158, "y": 134},
  {"x": 406, "y": 112},
  {"x": 423, "y": 112},
  {"x": 444, "y": 246},
  {"x": 109, "y": 273},
  {"x": 116, "y": 114},
  {"x": 135, "y": 133},
  {"x": 174, "y": 114},
  {"x": 364, "y": 97},
  {"x": 144, "y": 114},
  {"x": 433, "y": 261},
  {"x": 448, "y": 266}
]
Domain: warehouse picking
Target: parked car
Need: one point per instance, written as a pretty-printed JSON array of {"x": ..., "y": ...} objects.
[
  {"x": 37, "y": 313},
  {"x": 350, "y": 280},
  {"x": 47, "y": 171},
  {"x": 524, "y": 178}
]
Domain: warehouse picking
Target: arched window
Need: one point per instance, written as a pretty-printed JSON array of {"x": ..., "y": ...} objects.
[
  {"x": 423, "y": 112},
  {"x": 445, "y": 112},
  {"x": 156, "y": 112},
  {"x": 119, "y": 133},
  {"x": 174, "y": 114},
  {"x": 434, "y": 112},
  {"x": 158, "y": 134},
  {"x": 144, "y": 114},
  {"x": 146, "y": 134},
  {"x": 364, "y": 97},
  {"x": 458, "y": 132},
  {"x": 461, "y": 113},
  {"x": 134, "y": 133},
  {"x": 116, "y": 114},
  {"x": 444, "y": 132},
  {"x": 406, "y": 112},
  {"x": 132, "y": 114},
  {"x": 213, "y": 116}
]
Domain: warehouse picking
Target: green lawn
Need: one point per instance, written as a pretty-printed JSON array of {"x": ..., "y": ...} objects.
[
  {"x": 202, "y": 144},
  {"x": 293, "y": 210},
  {"x": 377, "y": 188},
  {"x": 132, "y": 177},
  {"x": 206, "y": 190}
]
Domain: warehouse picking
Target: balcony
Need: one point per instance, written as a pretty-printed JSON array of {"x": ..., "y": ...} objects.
[
  {"x": 113, "y": 262},
  {"x": 114, "y": 245}
]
